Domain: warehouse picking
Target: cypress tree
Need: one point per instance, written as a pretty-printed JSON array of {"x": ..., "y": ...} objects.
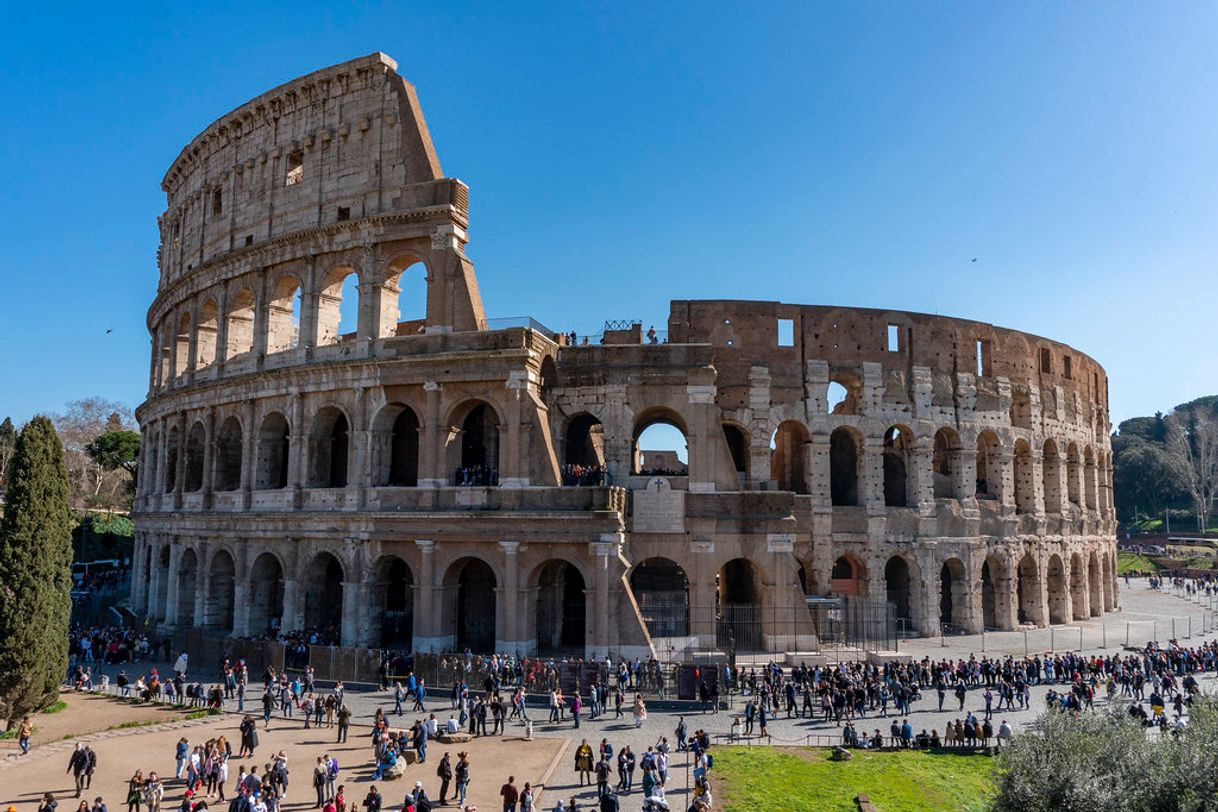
[{"x": 35, "y": 573}]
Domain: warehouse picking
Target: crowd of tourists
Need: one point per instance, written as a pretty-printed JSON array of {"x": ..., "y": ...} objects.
[
  {"x": 112, "y": 644},
  {"x": 584, "y": 475},
  {"x": 477, "y": 475}
]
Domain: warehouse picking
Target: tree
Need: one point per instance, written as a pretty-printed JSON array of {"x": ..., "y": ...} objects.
[
  {"x": 84, "y": 421},
  {"x": 35, "y": 573},
  {"x": 1143, "y": 478},
  {"x": 8, "y": 444},
  {"x": 1192, "y": 451},
  {"x": 117, "y": 448}
]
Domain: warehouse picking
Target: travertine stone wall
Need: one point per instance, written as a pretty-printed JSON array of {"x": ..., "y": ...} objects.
[{"x": 410, "y": 483}]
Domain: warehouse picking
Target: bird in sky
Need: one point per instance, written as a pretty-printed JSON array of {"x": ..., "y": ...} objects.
[
  {"x": 974, "y": 259},
  {"x": 111, "y": 330}
]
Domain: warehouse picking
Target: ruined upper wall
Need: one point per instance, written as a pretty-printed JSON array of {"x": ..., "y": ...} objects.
[{"x": 341, "y": 143}]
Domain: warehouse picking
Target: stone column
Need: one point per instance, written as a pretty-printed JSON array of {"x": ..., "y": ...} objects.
[
  {"x": 209, "y": 456},
  {"x": 701, "y": 441},
  {"x": 514, "y": 461},
  {"x": 308, "y": 307},
  {"x": 508, "y": 636},
  {"x": 352, "y": 632},
  {"x": 361, "y": 473},
  {"x": 923, "y": 478},
  {"x": 153, "y": 608},
  {"x": 249, "y": 449},
  {"x": 180, "y": 466},
  {"x": 818, "y": 470},
  {"x": 602, "y": 629},
  {"x": 241, "y": 605},
  {"x": 202, "y": 613},
  {"x": 171, "y": 596},
  {"x": 432, "y": 434},
  {"x": 291, "y": 605},
  {"x": 702, "y": 593},
  {"x": 261, "y": 318},
  {"x": 297, "y": 449},
  {"x": 871, "y": 469},
  {"x": 138, "y": 594},
  {"x": 964, "y": 475},
  {"x": 1006, "y": 481},
  {"x": 162, "y": 455},
  {"x": 221, "y": 329},
  {"x": 427, "y": 629}
]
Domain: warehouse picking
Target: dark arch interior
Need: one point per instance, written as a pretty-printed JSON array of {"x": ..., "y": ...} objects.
[
  {"x": 476, "y": 607},
  {"x": 661, "y": 590},
  {"x": 739, "y": 621},
  {"x": 404, "y": 450},
  {"x": 561, "y": 613},
  {"x": 397, "y": 618},
  {"x": 843, "y": 469},
  {"x": 896, "y": 492},
  {"x": 989, "y": 616},
  {"x": 738, "y": 446},
  {"x": 272, "y": 462},
  {"x": 266, "y": 594},
  {"x": 324, "y": 596},
  {"x": 338, "y": 453},
  {"x": 896, "y": 579},
  {"x": 480, "y": 446},
  {"x": 585, "y": 444}
]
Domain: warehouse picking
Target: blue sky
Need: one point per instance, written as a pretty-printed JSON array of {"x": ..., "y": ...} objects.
[{"x": 621, "y": 155}]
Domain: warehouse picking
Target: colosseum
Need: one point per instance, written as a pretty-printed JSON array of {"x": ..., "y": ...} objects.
[{"x": 423, "y": 478}]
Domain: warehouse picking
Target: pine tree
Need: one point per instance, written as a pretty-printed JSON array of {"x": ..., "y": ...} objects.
[
  {"x": 8, "y": 443},
  {"x": 35, "y": 573}
]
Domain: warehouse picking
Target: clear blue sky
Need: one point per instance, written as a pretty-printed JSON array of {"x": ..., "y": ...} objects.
[{"x": 621, "y": 155}]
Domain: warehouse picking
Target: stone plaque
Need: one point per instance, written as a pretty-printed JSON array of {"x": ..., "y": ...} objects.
[{"x": 659, "y": 509}]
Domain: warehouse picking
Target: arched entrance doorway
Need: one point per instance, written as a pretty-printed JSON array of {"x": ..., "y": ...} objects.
[
  {"x": 847, "y": 576},
  {"x": 897, "y": 583},
  {"x": 561, "y": 609},
  {"x": 265, "y": 595},
  {"x": 475, "y": 605},
  {"x": 661, "y": 590},
  {"x": 188, "y": 575},
  {"x": 221, "y": 587},
  {"x": 1055, "y": 576},
  {"x": 953, "y": 595},
  {"x": 393, "y": 595},
  {"x": 1027, "y": 592},
  {"x": 739, "y": 607},
  {"x": 323, "y": 598}
]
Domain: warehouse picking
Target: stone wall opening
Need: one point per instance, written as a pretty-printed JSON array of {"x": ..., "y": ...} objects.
[
  {"x": 196, "y": 449},
  {"x": 953, "y": 594},
  {"x": 898, "y": 589},
  {"x": 738, "y": 447},
  {"x": 661, "y": 447},
  {"x": 272, "y": 453},
  {"x": 845, "y": 447},
  {"x": 661, "y": 590},
  {"x": 898, "y": 449},
  {"x": 283, "y": 315},
  {"x": 328, "y": 449},
  {"x": 240, "y": 327},
  {"x": 392, "y": 601},
  {"x": 1055, "y": 581},
  {"x": 478, "y": 452},
  {"x": 404, "y": 449},
  {"x": 188, "y": 579},
  {"x": 265, "y": 595},
  {"x": 561, "y": 612},
  {"x": 205, "y": 334},
  {"x": 173, "y": 447},
  {"x": 322, "y": 588},
  {"x": 989, "y": 466},
  {"x": 221, "y": 592},
  {"x": 1027, "y": 592},
  {"x": 738, "y": 607},
  {"x": 338, "y": 306},
  {"x": 475, "y": 587},
  {"x": 585, "y": 441},
  {"x": 848, "y": 577},
  {"x": 788, "y": 457},
  {"x": 404, "y": 299},
  {"x": 228, "y": 452},
  {"x": 945, "y": 463}
]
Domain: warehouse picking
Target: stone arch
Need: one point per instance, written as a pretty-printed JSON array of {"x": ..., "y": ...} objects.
[
  {"x": 737, "y": 440},
  {"x": 471, "y": 589},
  {"x": 283, "y": 314},
  {"x": 188, "y": 580},
  {"x": 265, "y": 595},
  {"x": 173, "y": 447},
  {"x": 993, "y": 573},
  {"x": 788, "y": 459},
  {"x": 989, "y": 466},
  {"x": 181, "y": 343},
  {"x": 655, "y": 461},
  {"x": 1073, "y": 475},
  {"x": 391, "y": 604},
  {"x": 900, "y": 586},
  {"x": 473, "y": 454},
  {"x": 848, "y": 576},
  {"x": 205, "y": 333},
  {"x": 898, "y": 462},
  {"x": 228, "y": 453},
  {"x": 196, "y": 450},
  {"x": 1025, "y": 479},
  {"x": 221, "y": 591},
  {"x": 1095, "y": 587},
  {"x": 321, "y": 587},
  {"x": 946, "y": 462},
  {"x": 1028, "y": 592},
  {"x": 1078, "y": 587},
  {"x": 845, "y": 455},
  {"x": 272, "y": 453},
  {"x": 239, "y": 330},
  {"x": 1051, "y": 473},
  {"x": 738, "y": 600},
  {"x": 560, "y": 611},
  {"x": 1055, "y": 589},
  {"x": 395, "y": 448},
  {"x": 329, "y": 447},
  {"x": 661, "y": 590},
  {"x": 404, "y": 296},
  {"x": 583, "y": 442},
  {"x": 335, "y": 286},
  {"x": 953, "y": 594},
  {"x": 844, "y": 393}
]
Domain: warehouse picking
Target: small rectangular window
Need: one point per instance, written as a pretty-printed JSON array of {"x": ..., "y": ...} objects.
[
  {"x": 217, "y": 202},
  {"x": 295, "y": 168},
  {"x": 894, "y": 338},
  {"x": 249, "y": 239},
  {"x": 983, "y": 358},
  {"x": 1046, "y": 361},
  {"x": 1067, "y": 369},
  {"x": 344, "y": 213},
  {"x": 786, "y": 332}
]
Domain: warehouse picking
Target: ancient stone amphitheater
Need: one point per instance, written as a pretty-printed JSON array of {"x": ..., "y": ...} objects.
[{"x": 443, "y": 482}]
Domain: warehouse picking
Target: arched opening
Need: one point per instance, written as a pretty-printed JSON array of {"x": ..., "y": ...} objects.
[
  {"x": 322, "y": 586},
  {"x": 328, "y": 449},
  {"x": 1095, "y": 585},
  {"x": 1078, "y": 587},
  {"x": 847, "y": 576},
  {"x": 661, "y": 590},
  {"x": 229, "y": 444},
  {"x": 989, "y": 466},
  {"x": 739, "y": 607},
  {"x": 898, "y": 448},
  {"x": 1028, "y": 592},
  {"x": 478, "y": 460},
  {"x": 181, "y": 343},
  {"x": 404, "y": 449},
  {"x": 989, "y": 601},
  {"x": 1073, "y": 475},
  {"x": 1090, "y": 491},
  {"x": 172, "y": 449},
  {"x": 843, "y": 394},
  {"x": 844, "y": 448},
  {"x": 1051, "y": 468},
  {"x": 239, "y": 335},
  {"x": 205, "y": 334},
  {"x": 788, "y": 457},
  {"x": 953, "y": 595},
  {"x": 271, "y": 467},
  {"x": 1025, "y": 479},
  {"x": 561, "y": 609},
  {"x": 393, "y": 597},
  {"x": 660, "y": 446},
  {"x": 266, "y": 595},
  {"x": 221, "y": 590},
  {"x": 946, "y": 460},
  {"x": 404, "y": 299},
  {"x": 1021, "y": 410},
  {"x": 738, "y": 447},
  {"x": 338, "y": 307},
  {"x": 1058, "y": 597},
  {"x": 188, "y": 578},
  {"x": 583, "y": 451},
  {"x": 897, "y": 584},
  {"x": 196, "y": 448},
  {"x": 283, "y": 315},
  {"x": 475, "y": 605}
]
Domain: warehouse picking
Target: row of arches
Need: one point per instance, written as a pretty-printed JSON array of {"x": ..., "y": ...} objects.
[{"x": 296, "y": 310}]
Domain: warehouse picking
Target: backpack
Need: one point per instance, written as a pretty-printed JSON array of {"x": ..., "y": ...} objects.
[{"x": 710, "y": 761}]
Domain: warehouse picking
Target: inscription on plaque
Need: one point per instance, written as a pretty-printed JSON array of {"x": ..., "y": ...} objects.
[{"x": 659, "y": 509}]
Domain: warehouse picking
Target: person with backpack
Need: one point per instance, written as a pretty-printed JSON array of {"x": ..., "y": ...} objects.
[
  {"x": 445, "y": 773},
  {"x": 461, "y": 773},
  {"x": 331, "y": 774},
  {"x": 319, "y": 781}
]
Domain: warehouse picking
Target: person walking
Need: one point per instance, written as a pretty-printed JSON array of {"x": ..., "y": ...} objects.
[
  {"x": 344, "y": 722},
  {"x": 319, "y": 782},
  {"x": 78, "y": 762},
  {"x": 510, "y": 794},
  {"x": 461, "y": 773},
  {"x": 154, "y": 792},
  {"x": 24, "y": 731},
  {"x": 583, "y": 762},
  {"x": 444, "y": 771},
  {"x": 135, "y": 786}
]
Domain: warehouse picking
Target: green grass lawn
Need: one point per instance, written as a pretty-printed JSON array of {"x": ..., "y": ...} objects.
[
  {"x": 796, "y": 779},
  {"x": 1129, "y": 562}
]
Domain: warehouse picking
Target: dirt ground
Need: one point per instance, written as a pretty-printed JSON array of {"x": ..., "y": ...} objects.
[
  {"x": 121, "y": 751},
  {"x": 88, "y": 713}
]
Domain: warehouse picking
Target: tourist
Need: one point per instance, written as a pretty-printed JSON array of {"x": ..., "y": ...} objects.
[
  {"x": 319, "y": 781},
  {"x": 154, "y": 792},
  {"x": 510, "y": 794},
  {"x": 24, "y": 731},
  {"x": 461, "y": 773},
  {"x": 640, "y": 711},
  {"x": 48, "y": 803},
  {"x": 372, "y": 801},
  {"x": 583, "y": 762},
  {"x": 1005, "y": 734},
  {"x": 135, "y": 786},
  {"x": 78, "y": 763},
  {"x": 526, "y": 798},
  {"x": 99, "y": 805}
]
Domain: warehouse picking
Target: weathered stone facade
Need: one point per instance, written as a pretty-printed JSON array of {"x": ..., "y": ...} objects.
[{"x": 959, "y": 470}]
